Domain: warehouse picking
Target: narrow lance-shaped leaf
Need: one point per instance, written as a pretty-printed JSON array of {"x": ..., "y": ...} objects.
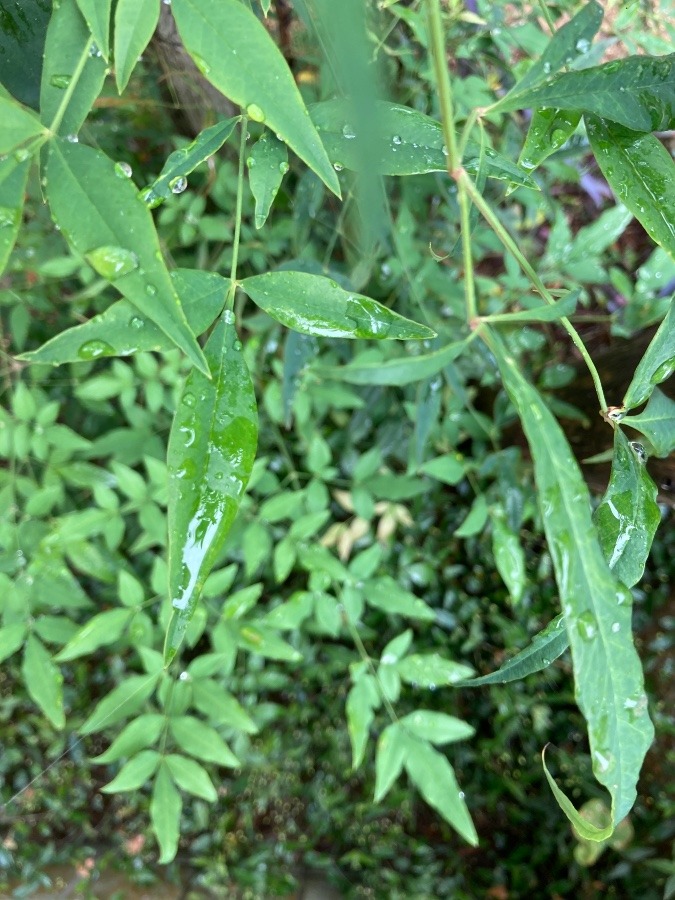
[
  {"x": 549, "y": 130},
  {"x": 609, "y": 684},
  {"x": 362, "y": 700},
  {"x": 165, "y": 810},
  {"x": 210, "y": 456},
  {"x": 121, "y": 702},
  {"x": 43, "y": 681},
  {"x": 97, "y": 16},
  {"x": 120, "y": 330},
  {"x": 628, "y": 515},
  {"x": 641, "y": 172},
  {"x": 656, "y": 422},
  {"x": 509, "y": 556},
  {"x": 267, "y": 165},
  {"x": 545, "y": 313},
  {"x": 101, "y": 630},
  {"x": 135, "y": 22},
  {"x": 299, "y": 351},
  {"x": 404, "y": 370},
  {"x": 584, "y": 828},
  {"x": 180, "y": 163},
  {"x": 18, "y": 125},
  {"x": 656, "y": 365},
  {"x": 98, "y": 212},
  {"x": 316, "y": 305},
  {"x": 228, "y": 43},
  {"x": 12, "y": 191}
]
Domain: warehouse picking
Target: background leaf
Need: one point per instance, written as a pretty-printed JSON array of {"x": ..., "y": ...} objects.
[
  {"x": 201, "y": 740},
  {"x": 137, "y": 735},
  {"x": 135, "y": 22},
  {"x": 191, "y": 777},
  {"x": 135, "y": 773},
  {"x": 436, "y": 727},
  {"x": 44, "y": 681},
  {"x": 400, "y": 371},
  {"x": 362, "y": 700},
  {"x": 122, "y": 701},
  {"x": 18, "y": 125},
  {"x": 101, "y": 630},
  {"x": 549, "y": 130}
]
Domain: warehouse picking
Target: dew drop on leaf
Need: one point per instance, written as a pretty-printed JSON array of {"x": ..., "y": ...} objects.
[
  {"x": 254, "y": 112},
  {"x": 665, "y": 370},
  {"x": 201, "y": 64},
  {"x": 189, "y": 400},
  {"x": 348, "y": 132},
  {"x": 136, "y": 322},
  {"x": 396, "y": 139},
  {"x": 94, "y": 349},
  {"x": 60, "y": 81},
  {"x": 123, "y": 169},
  {"x": 112, "y": 262},
  {"x": 178, "y": 185}
]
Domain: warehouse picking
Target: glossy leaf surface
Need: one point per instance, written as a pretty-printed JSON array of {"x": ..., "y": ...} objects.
[
  {"x": 12, "y": 191},
  {"x": 97, "y": 16},
  {"x": 96, "y": 207},
  {"x": 43, "y": 681},
  {"x": 628, "y": 514},
  {"x": 18, "y": 125},
  {"x": 641, "y": 172},
  {"x": 609, "y": 684},
  {"x": 165, "y": 811},
  {"x": 211, "y": 452},
  {"x": 656, "y": 422},
  {"x": 404, "y": 370},
  {"x": 227, "y": 43},
  {"x": 656, "y": 365},
  {"x": 120, "y": 330},
  {"x": 316, "y": 305},
  {"x": 135, "y": 22},
  {"x": 549, "y": 130},
  {"x": 267, "y": 165}
]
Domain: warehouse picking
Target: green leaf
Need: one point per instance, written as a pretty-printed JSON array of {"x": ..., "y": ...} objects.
[
  {"x": 96, "y": 207},
  {"x": 396, "y": 648},
  {"x": 448, "y": 469},
  {"x": 628, "y": 514},
  {"x": 235, "y": 52},
  {"x": 436, "y": 727},
  {"x": 121, "y": 702},
  {"x": 43, "y": 681},
  {"x": 211, "y": 451},
  {"x": 135, "y": 23},
  {"x": 97, "y": 16},
  {"x": 18, "y": 125},
  {"x": 267, "y": 165},
  {"x": 173, "y": 177},
  {"x": 135, "y": 773},
  {"x": 609, "y": 684},
  {"x": 435, "y": 779},
  {"x": 22, "y": 41},
  {"x": 636, "y": 92},
  {"x": 221, "y": 707},
  {"x": 386, "y": 594},
  {"x": 198, "y": 739},
  {"x": 316, "y": 305},
  {"x": 546, "y": 646},
  {"x": 391, "y": 751},
  {"x": 11, "y": 638},
  {"x": 299, "y": 351},
  {"x": 410, "y": 143},
  {"x": 362, "y": 700},
  {"x": 549, "y": 130},
  {"x": 429, "y": 670},
  {"x": 641, "y": 173},
  {"x": 509, "y": 556},
  {"x": 584, "y": 828},
  {"x": 101, "y": 630},
  {"x": 546, "y": 313},
  {"x": 137, "y": 735},
  {"x": 260, "y": 639},
  {"x": 404, "y": 370},
  {"x": 120, "y": 330},
  {"x": 475, "y": 521},
  {"x": 656, "y": 422},
  {"x": 656, "y": 365},
  {"x": 292, "y": 613},
  {"x": 165, "y": 810},
  {"x": 68, "y": 44},
  {"x": 12, "y": 192},
  {"x": 191, "y": 777}
]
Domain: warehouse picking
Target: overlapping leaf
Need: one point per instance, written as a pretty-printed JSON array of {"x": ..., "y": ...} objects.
[
  {"x": 12, "y": 190},
  {"x": 656, "y": 422},
  {"x": 97, "y": 16},
  {"x": 400, "y": 371},
  {"x": 135, "y": 22},
  {"x": 549, "y": 130}
]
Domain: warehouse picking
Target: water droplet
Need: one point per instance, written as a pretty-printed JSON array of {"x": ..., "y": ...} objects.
[
  {"x": 72, "y": 139},
  {"x": 665, "y": 370},
  {"x": 547, "y": 68},
  {"x": 237, "y": 345},
  {"x": 283, "y": 167},
  {"x": 616, "y": 627},
  {"x": 445, "y": 150},
  {"x": 587, "y": 625},
  {"x": 639, "y": 451},
  {"x": 582, "y": 45},
  {"x": 189, "y": 400},
  {"x": 7, "y": 216},
  {"x": 558, "y": 137},
  {"x": 228, "y": 317},
  {"x": 150, "y": 290},
  {"x": 338, "y": 166},
  {"x": 136, "y": 322},
  {"x": 254, "y": 112},
  {"x": 603, "y": 759},
  {"x": 396, "y": 139},
  {"x": 112, "y": 262},
  {"x": 201, "y": 64},
  {"x": 348, "y": 132},
  {"x": 123, "y": 169},
  {"x": 94, "y": 349},
  {"x": 60, "y": 81},
  {"x": 94, "y": 51},
  {"x": 151, "y": 198},
  {"x": 461, "y": 795},
  {"x": 250, "y": 162},
  {"x": 178, "y": 185},
  {"x": 167, "y": 3}
]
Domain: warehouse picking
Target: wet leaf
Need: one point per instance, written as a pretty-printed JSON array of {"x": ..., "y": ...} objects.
[
  {"x": 165, "y": 811},
  {"x": 12, "y": 192},
  {"x": 316, "y": 305},
  {"x": 609, "y": 684},
  {"x": 628, "y": 514},
  {"x": 201, "y": 740},
  {"x": 121, "y": 702},
  {"x": 509, "y": 556},
  {"x": 137, "y": 735},
  {"x": 210, "y": 456},
  {"x": 18, "y": 125},
  {"x": 135, "y": 23},
  {"x": 549, "y": 130},
  {"x": 436, "y": 727},
  {"x": 641, "y": 173},
  {"x": 656, "y": 365},
  {"x": 362, "y": 700},
  {"x": 299, "y": 351},
  {"x": 101, "y": 630},
  {"x": 227, "y": 43},
  {"x": 135, "y": 773},
  {"x": 404, "y": 370},
  {"x": 582, "y": 826},
  {"x": 43, "y": 681},
  {"x": 97, "y": 16},
  {"x": 95, "y": 207},
  {"x": 191, "y": 777},
  {"x": 267, "y": 165},
  {"x": 429, "y": 670},
  {"x": 656, "y": 422}
]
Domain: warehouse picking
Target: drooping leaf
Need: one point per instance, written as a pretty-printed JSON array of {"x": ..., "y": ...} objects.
[
  {"x": 68, "y": 47},
  {"x": 43, "y": 681},
  {"x": 609, "y": 684},
  {"x": 97, "y": 16},
  {"x": 165, "y": 810},
  {"x": 135, "y": 23},
  {"x": 201, "y": 740},
  {"x": 656, "y": 365},
  {"x": 267, "y": 165},
  {"x": 391, "y": 751},
  {"x": 96, "y": 208},
  {"x": 475, "y": 520},
  {"x": 583, "y": 827},
  {"x": 18, "y": 125},
  {"x": 637, "y": 92},
  {"x": 228, "y": 43},
  {"x": 549, "y": 130},
  {"x": 137, "y": 735},
  {"x": 404, "y": 370},
  {"x": 121, "y": 702},
  {"x": 12, "y": 191},
  {"x": 641, "y": 172},
  {"x": 316, "y": 305},
  {"x": 546, "y": 646},
  {"x": 362, "y": 700},
  {"x": 628, "y": 514},
  {"x": 429, "y": 670},
  {"x": 656, "y": 422},
  {"x": 210, "y": 456},
  {"x": 135, "y": 773},
  {"x": 120, "y": 330},
  {"x": 180, "y": 163},
  {"x": 436, "y": 727},
  {"x": 101, "y": 630}
]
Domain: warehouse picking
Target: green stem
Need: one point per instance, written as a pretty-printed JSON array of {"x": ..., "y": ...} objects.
[
  {"x": 547, "y": 15},
  {"x": 363, "y": 653},
  {"x": 70, "y": 90},
  {"x": 229, "y": 302}
]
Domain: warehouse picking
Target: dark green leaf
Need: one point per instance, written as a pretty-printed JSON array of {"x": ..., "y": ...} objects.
[
  {"x": 135, "y": 773},
  {"x": 429, "y": 670},
  {"x": 549, "y": 130},
  {"x": 122, "y": 701},
  {"x": 235, "y": 52},
  {"x": 43, "y": 681},
  {"x": 210, "y": 456},
  {"x": 22, "y": 43},
  {"x": 191, "y": 777},
  {"x": 97, "y": 16},
  {"x": 316, "y": 305},
  {"x": 582, "y": 826},
  {"x": 198, "y": 739},
  {"x": 641, "y": 173},
  {"x": 299, "y": 351},
  {"x": 12, "y": 191},
  {"x": 656, "y": 422},
  {"x": 404, "y": 370},
  {"x": 135, "y": 22},
  {"x": 96, "y": 207},
  {"x": 101, "y": 630},
  {"x": 137, "y": 735},
  {"x": 267, "y": 165},
  {"x": 656, "y": 365},
  {"x": 509, "y": 557},
  {"x": 165, "y": 809}
]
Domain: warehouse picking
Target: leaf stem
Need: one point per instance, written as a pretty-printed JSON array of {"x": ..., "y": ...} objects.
[
  {"x": 547, "y": 15},
  {"x": 229, "y": 302},
  {"x": 70, "y": 90}
]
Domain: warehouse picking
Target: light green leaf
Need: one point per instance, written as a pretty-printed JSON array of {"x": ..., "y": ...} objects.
[
  {"x": 198, "y": 739},
  {"x": 101, "y": 630},
  {"x": 583, "y": 827},
  {"x": 137, "y": 735},
  {"x": 362, "y": 700},
  {"x": 267, "y": 165},
  {"x": 656, "y": 365},
  {"x": 429, "y": 670},
  {"x": 43, "y": 681},
  {"x": 316, "y": 305},
  {"x": 12, "y": 192},
  {"x": 546, "y": 313},
  {"x": 396, "y": 648},
  {"x": 386, "y": 594},
  {"x": 135, "y": 23},
  {"x": 640, "y": 171},
  {"x": 609, "y": 684},
  {"x": 656, "y": 422},
  {"x": 165, "y": 810},
  {"x": 448, "y": 469},
  {"x": 191, "y": 777},
  {"x": 436, "y": 727},
  {"x": 11, "y": 638},
  {"x": 593, "y": 239},
  {"x": 628, "y": 514},
  {"x": 96, "y": 207},
  {"x": 404, "y": 370},
  {"x": 67, "y": 47},
  {"x": 549, "y": 131},
  {"x": 292, "y": 613},
  {"x": 546, "y": 646},
  {"x": 135, "y": 773},
  {"x": 391, "y": 751},
  {"x": 97, "y": 16},
  {"x": 121, "y": 702},
  {"x": 475, "y": 521},
  {"x": 120, "y": 330},
  {"x": 260, "y": 639},
  {"x": 509, "y": 556},
  {"x": 636, "y": 92},
  {"x": 18, "y": 125},
  {"x": 434, "y": 778},
  {"x": 221, "y": 707},
  {"x": 173, "y": 177},
  {"x": 228, "y": 45}
]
